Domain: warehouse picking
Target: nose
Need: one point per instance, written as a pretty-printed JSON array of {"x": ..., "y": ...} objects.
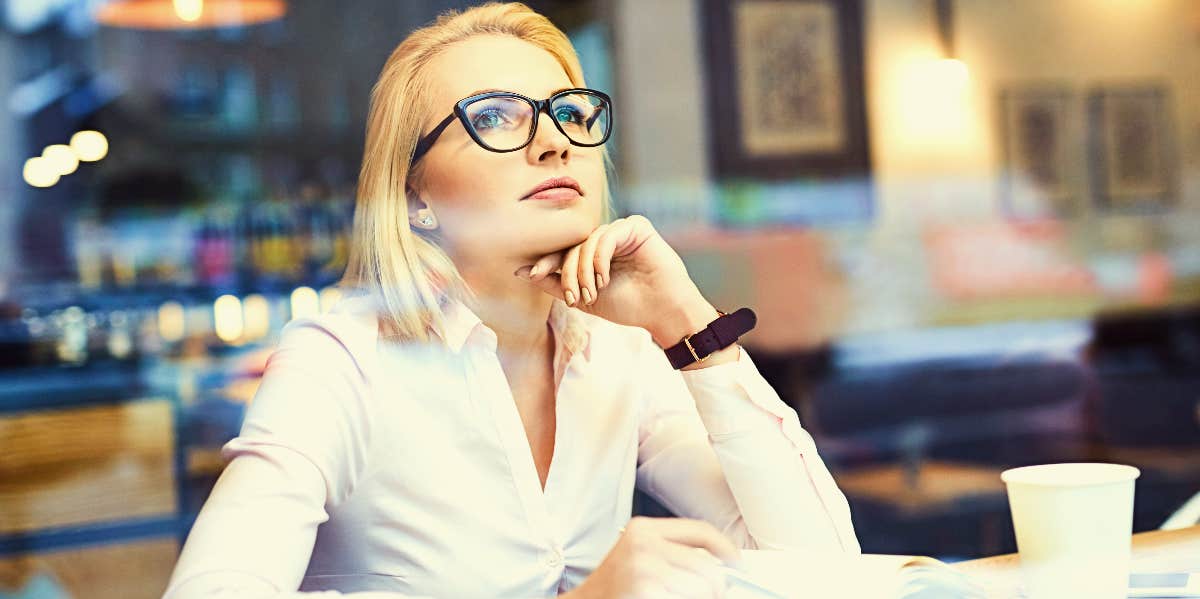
[{"x": 548, "y": 141}]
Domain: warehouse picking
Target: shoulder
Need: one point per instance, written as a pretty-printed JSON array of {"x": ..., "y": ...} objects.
[{"x": 346, "y": 335}]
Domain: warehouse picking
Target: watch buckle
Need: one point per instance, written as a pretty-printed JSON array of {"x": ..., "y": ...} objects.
[{"x": 688, "y": 342}]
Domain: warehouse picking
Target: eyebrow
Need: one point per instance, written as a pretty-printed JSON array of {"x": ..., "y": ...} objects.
[{"x": 492, "y": 89}]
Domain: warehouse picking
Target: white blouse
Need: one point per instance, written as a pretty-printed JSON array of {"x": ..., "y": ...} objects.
[{"x": 386, "y": 470}]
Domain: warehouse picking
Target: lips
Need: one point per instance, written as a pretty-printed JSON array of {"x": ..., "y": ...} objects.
[{"x": 554, "y": 186}]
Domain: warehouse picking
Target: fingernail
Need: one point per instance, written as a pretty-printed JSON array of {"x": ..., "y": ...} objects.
[
  {"x": 570, "y": 298},
  {"x": 599, "y": 281},
  {"x": 534, "y": 270},
  {"x": 524, "y": 272},
  {"x": 587, "y": 295}
]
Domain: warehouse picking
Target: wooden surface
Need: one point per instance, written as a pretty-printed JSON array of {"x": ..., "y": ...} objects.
[
  {"x": 936, "y": 484},
  {"x": 77, "y": 466},
  {"x": 133, "y": 570},
  {"x": 1157, "y": 546},
  {"x": 1154, "y": 551}
]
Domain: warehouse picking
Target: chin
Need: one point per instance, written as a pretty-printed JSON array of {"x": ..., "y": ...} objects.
[{"x": 560, "y": 233}]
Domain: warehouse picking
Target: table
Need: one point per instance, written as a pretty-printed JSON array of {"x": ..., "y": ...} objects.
[{"x": 1154, "y": 551}]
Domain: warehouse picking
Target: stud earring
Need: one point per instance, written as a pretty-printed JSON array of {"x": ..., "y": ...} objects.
[{"x": 426, "y": 221}]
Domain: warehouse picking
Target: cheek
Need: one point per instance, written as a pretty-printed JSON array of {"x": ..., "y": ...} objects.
[{"x": 466, "y": 190}]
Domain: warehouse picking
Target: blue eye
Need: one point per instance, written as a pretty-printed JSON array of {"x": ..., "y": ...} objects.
[
  {"x": 488, "y": 118},
  {"x": 569, "y": 114}
]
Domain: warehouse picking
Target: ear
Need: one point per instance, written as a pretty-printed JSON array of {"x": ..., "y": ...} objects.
[
  {"x": 420, "y": 215},
  {"x": 414, "y": 202}
]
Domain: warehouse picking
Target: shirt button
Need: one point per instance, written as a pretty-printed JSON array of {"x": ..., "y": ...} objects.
[{"x": 554, "y": 560}]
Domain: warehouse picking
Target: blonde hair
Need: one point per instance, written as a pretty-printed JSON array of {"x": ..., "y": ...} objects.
[{"x": 407, "y": 275}]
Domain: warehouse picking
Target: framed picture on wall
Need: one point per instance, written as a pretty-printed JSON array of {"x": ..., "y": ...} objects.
[
  {"x": 1040, "y": 150},
  {"x": 785, "y": 89},
  {"x": 1130, "y": 147}
]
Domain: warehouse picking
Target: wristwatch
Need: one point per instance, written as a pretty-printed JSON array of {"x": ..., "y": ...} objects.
[{"x": 719, "y": 334}]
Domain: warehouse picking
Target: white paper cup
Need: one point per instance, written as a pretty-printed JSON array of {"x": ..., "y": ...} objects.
[{"x": 1074, "y": 525}]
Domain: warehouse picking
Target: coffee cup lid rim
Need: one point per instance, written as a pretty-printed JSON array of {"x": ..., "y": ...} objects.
[{"x": 1077, "y": 474}]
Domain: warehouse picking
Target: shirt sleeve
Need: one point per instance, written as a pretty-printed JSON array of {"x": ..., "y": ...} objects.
[
  {"x": 302, "y": 445},
  {"x": 719, "y": 444}
]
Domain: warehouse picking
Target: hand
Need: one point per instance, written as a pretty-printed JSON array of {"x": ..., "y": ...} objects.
[
  {"x": 626, "y": 273},
  {"x": 662, "y": 557}
]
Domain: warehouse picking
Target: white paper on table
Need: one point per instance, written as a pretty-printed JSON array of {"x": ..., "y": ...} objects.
[{"x": 800, "y": 575}]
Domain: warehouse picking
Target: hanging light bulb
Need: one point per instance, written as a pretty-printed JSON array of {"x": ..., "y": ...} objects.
[
  {"x": 305, "y": 302},
  {"x": 40, "y": 172},
  {"x": 61, "y": 158},
  {"x": 171, "y": 321},
  {"x": 329, "y": 296},
  {"x": 256, "y": 314},
  {"x": 89, "y": 146},
  {"x": 227, "y": 318}
]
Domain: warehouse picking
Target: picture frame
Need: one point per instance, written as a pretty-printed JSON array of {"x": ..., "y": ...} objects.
[
  {"x": 1130, "y": 145},
  {"x": 1040, "y": 149},
  {"x": 785, "y": 85}
]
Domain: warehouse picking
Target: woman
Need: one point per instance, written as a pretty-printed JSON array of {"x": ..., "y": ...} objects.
[{"x": 472, "y": 423}]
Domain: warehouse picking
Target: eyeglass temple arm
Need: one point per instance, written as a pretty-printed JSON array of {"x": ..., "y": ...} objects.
[
  {"x": 592, "y": 119},
  {"x": 426, "y": 142}
]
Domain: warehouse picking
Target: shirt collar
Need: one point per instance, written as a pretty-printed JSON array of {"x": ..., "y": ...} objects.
[{"x": 463, "y": 325}]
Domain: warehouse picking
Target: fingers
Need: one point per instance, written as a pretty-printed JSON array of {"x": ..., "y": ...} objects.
[
  {"x": 570, "y": 276},
  {"x": 546, "y": 265},
  {"x": 606, "y": 244},
  {"x": 698, "y": 533},
  {"x": 665, "y": 557},
  {"x": 588, "y": 285},
  {"x": 586, "y": 268},
  {"x": 541, "y": 273}
]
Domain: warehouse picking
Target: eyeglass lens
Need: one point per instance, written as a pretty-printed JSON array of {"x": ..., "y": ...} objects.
[{"x": 506, "y": 122}]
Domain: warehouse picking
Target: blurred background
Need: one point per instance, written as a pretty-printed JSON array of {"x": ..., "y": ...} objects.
[{"x": 971, "y": 231}]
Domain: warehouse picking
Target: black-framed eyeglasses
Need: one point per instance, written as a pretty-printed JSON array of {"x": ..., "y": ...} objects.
[{"x": 507, "y": 121}]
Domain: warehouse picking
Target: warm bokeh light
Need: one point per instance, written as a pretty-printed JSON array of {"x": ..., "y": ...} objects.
[
  {"x": 329, "y": 297},
  {"x": 188, "y": 14},
  {"x": 189, "y": 10},
  {"x": 89, "y": 146},
  {"x": 40, "y": 172},
  {"x": 62, "y": 159},
  {"x": 170, "y": 321},
  {"x": 305, "y": 302},
  {"x": 927, "y": 107},
  {"x": 227, "y": 318},
  {"x": 256, "y": 311},
  {"x": 952, "y": 71}
]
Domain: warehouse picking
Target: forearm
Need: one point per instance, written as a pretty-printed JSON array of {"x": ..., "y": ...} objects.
[{"x": 784, "y": 491}]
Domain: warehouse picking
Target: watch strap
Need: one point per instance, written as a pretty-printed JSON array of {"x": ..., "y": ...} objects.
[{"x": 719, "y": 334}]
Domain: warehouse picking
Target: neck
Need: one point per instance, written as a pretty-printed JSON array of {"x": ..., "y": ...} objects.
[{"x": 514, "y": 309}]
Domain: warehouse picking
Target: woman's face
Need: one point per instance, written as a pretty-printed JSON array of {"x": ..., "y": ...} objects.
[{"x": 476, "y": 195}]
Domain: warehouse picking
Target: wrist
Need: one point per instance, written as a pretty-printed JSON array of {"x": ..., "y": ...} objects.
[{"x": 684, "y": 320}]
